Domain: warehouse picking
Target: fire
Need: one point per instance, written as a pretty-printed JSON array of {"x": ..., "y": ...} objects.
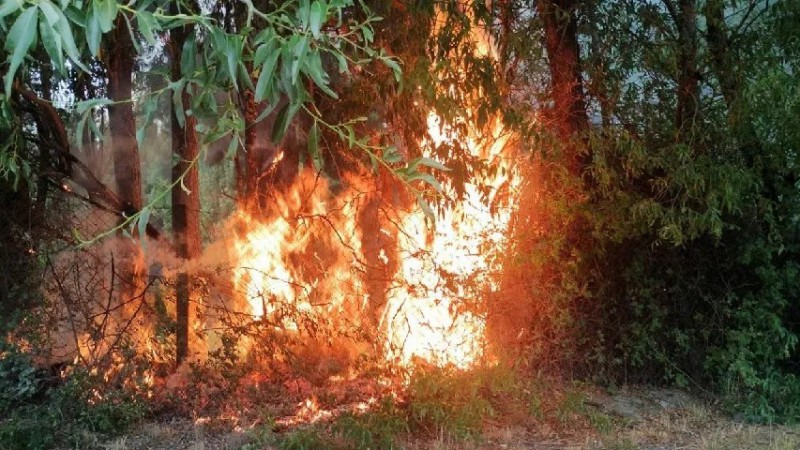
[
  {"x": 306, "y": 261},
  {"x": 299, "y": 265},
  {"x": 423, "y": 319}
]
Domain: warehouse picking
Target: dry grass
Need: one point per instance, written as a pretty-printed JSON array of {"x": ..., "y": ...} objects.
[
  {"x": 568, "y": 417},
  {"x": 698, "y": 427}
]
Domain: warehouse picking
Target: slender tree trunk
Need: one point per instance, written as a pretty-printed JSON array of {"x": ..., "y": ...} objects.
[
  {"x": 723, "y": 63},
  {"x": 252, "y": 158},
  {"x": 42, "y": 184},
  {"x": 686, "y": 114},
  {"x": 120, "y": 62},
  {"x": 561, "y": 42},
  {"x": 127, "y": 167},
  {"x": 185, "y": 205}
]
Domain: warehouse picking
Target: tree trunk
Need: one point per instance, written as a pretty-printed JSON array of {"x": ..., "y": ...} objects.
[
  {"x": 723, "y": 63},
  {"x": 688, "y": 77},
  {"x": 127, "y": 167},
  {"x": 248, "y": 182},
  {"x": 561, "y": 42},
  {"x": 185, "y": 205},
  {"x": 119, "y": 60}
]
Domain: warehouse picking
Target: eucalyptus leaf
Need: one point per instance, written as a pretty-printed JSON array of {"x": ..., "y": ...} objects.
[
  {"x": 283, "y": 121},
  {"x": 316, "y": 16},
  {"x": 428, "y": 162},
  {"x": 10, "y": 6},
  {"x": 93, "y": 30},
  {"x": 147, "y": 24},
  {"x": 106, "y": 11},
  {"x": 189, "y": 56},
  {"x": 49, "y": 11},
  {"x": 426, "y": 209},
  {"x": 65, "y": 32},
  {"x": 20, "y": 38},
  {"x": 265, "y": 78},
  {"x": 313, "y": 147},
  {"x": 52, "y": 45}
]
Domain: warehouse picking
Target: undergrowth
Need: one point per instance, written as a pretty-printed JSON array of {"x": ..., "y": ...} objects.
[{"x": 69, "y": 412}]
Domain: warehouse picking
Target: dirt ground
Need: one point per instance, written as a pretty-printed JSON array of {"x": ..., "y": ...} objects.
[{"x": 628, "y": 419}]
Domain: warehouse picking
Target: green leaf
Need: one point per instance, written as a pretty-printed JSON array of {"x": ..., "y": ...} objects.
[
  {"x": 93, "y": 30},
  {"x": 266, "y": 76},
  {"x": 391, "y": 155},
  {"x": 283, "y": 120},
  {"x": 266, "y": 112},
  {"x": 313, "y": 67},
  {"x": 244, "y": 75},
  {"x": 65, "y": 32},
  {"x": 148, "y": 112},
  {"x": 9, "y": 7},
  {"x": 303, "y": 13},
  {"x": 426, "y": 209},
  {"x": 20, "y": 38},
  {"x": 261, "y": 54},
  {"x": 177, "y": 103},
  {"x": 316, "y": 16},
  {"x": 147, "y": 23},
  {"x": 342, "y": 62},
  {"x": 144, "y": 218},
  {"x": 427, "y": 178},
  {"x": 428, "y": 162},
  {"x": 233, "y": 56},
  {"x": 189, "y": 56},
  {"x": 84, "y": 106},
  {"x": 233, "y": 145},
  {"x": 106, "y": 13},
  {"x": 299, "y": 53},
  {"x": 366, "y": 30},
  {"x": 392, "y": 64},
  {"x": 52, "y": 44},
  {"x": 49, "y": 11},
  {"x": 313, "y": 147}
]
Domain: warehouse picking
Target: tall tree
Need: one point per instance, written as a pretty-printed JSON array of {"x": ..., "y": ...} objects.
[
  {"x": 560, "y": 22},
  {"x": 185, "y": 193},
  {"x": 728, "y": 73},
  {"x": 684, "y": 14},
  {"x": 120, "y": 55}
]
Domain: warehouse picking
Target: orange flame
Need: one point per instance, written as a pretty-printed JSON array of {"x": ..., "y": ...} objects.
[{"x": 434, "y": 310}]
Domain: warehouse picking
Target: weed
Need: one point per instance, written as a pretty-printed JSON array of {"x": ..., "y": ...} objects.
[
  {"x": 444, "y": 401},
  {"x": 307, "y": 438},
  {"x": 573, "y": 404},
  {"x": 374, "y": 430}
]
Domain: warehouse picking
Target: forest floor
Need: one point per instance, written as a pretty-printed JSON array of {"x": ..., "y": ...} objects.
[{"x": 631, "y": 418}]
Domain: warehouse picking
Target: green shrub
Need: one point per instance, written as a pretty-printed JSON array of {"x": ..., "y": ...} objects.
[
  {"x": 376, "y": 429},
  {"x": 68, "y": 412},
  {"x": 306, "y": 438},
  {"x": 450, "y": 401},
  {"x": 18, "y": 377}
]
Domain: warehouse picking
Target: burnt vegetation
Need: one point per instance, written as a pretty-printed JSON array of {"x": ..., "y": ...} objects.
[{"x": 230, "y": 210}]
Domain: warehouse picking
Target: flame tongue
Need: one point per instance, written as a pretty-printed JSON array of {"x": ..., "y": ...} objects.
[
  {"x": 312, "y": 263},
  {"x": 436, "y": 316}
]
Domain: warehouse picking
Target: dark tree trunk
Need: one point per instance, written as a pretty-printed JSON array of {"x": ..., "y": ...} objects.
[
  {"x": 686, "y": 114},
  {"x": 120, "y": 60},
  {"x": 251, "y": 161},
  {"x": 723, "y": 63},
  {"x": 185, "y": 205},
  {"x": 561, "y": 42},
  {"x": 127, "y": 167}
]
